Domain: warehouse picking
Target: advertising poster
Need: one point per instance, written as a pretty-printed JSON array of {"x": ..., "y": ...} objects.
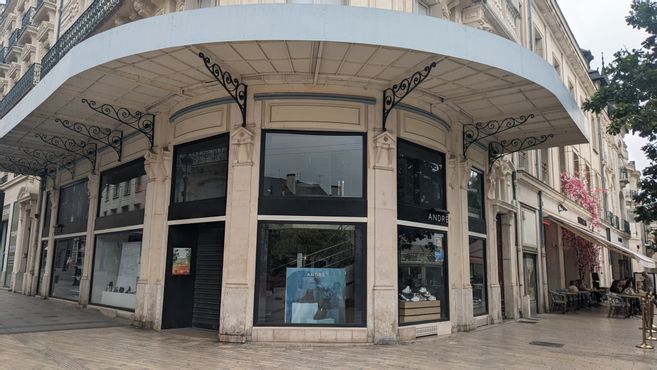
[
  {"x": 182, "y": 261},
  {"x": 315, "y": 295}
]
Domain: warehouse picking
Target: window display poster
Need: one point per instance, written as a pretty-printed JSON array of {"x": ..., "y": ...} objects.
[
  {"x": 182, "y": 261},
  {"x": 315, "y": 295},
  {"x": 129, "y": 267}
]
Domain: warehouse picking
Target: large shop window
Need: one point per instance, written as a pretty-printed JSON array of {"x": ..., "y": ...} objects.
[
  {"x": 122, "y": 196},
  {"x": 311, "y": 274},
  {"x": 73, "y": 210},
  {"x": 11, "y": 244},
  {"x": 478, "y": 276},
  {"x": 67, "y": 268},
  {"x": 200, "y": 178},
  {"x": 304, "y": 172},
  {"x": 45, "y": 232},
  {"x": 116, "y": 269},
  {"x": 476, "y": 219},
  {"x": 423, "y": 295},
  {"x": 420, "y": 183}
]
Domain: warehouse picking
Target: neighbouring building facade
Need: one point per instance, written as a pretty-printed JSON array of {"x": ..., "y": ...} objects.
[{"x": 301, "y": 172}]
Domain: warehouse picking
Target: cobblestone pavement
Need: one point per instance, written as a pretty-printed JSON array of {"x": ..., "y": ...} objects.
[{"x": 590, "y": 340}]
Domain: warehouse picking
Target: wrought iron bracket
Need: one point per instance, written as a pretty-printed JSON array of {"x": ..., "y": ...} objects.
[
  {"x": 498, "y": 149},
  {"x": 395, "y": 94},
  {"x": 80, "y": 148},
  {"x": 142, "y": 122},
  {"x": 233, "y": 86},
  {"x": 58, "y": 160},
  {"x": 106, "y": 136},
  {"x": 475, "y": 132},
  {"x": 26, "y": 166}
]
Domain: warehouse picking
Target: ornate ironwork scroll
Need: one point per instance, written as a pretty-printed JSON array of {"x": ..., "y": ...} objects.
[
  {"x": 106, "y": 136},
  {"x": 54, "y": 159},
  {"x": 498, "y": 149},
  {"x": 233, "y": 86},
  {"x": 394, "y": 95},
  {"x": 26, "y": 166},
  {"x": 81, "y": 148},
  {"x": 142, "y": 122},
  {"x": 478, "y": 131}
]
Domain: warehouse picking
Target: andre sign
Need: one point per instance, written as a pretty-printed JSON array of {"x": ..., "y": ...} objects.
[{"x": 438, "y": 218}]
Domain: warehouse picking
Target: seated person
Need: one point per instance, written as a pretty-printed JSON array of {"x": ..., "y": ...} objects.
[
  {"x": 615, "y": 287},
  {"x": 572, "y": 287},
  {"x": 580, "y": 286},
  {"x": 635, "y": 304}
]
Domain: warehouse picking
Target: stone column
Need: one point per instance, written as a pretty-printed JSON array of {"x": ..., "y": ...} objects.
[
  {"x": 511, "y": 289},
  {"x": 240, "y": 239},
  {"x": 150, "y": 285},
  {"x": 35, "y": 265},
  {"x": 54, "y": 206},
  {"x": 22, "y": 243},
  {"x": 87, "y": 269},
  {"x": 458, "y": 173},
  {"x": 33, "y": 245},
  {"x": 383, "y": 217}
]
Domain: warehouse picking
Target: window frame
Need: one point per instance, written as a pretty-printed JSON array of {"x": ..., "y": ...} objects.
[
  {"x": 363, "y": 275},
  {"x": 71, "y": 228},
  {"x": 413, "y": 213},
  {"x": 308, "y": 206},
  {"x": 197, "y": 208},
  {"x": 123, "y": 219}
]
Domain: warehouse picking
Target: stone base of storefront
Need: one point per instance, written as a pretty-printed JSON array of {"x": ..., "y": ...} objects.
[
  {"x": 113, "y": 313},
  {"x": 310, "y": 335}
]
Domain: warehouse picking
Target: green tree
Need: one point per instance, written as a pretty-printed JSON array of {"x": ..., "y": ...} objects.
[{"x": 631, "y": 99}]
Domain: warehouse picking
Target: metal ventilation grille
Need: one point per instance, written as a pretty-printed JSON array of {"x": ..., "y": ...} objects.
[{"x": 423, "y": 331}]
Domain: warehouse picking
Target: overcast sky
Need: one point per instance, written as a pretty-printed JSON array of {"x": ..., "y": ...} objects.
[{"x": 599, "y": 25}]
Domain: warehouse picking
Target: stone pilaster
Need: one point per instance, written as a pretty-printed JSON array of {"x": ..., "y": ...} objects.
[
  {"x": 240, "y": 240},
  {"x": 150, "y": 286},
  {"x": 93, "y": 181},
  {"x": 35, "y": 264},
  {"x": 384, "y": 219},
  {"x": 29, "y": 280},
  {"x": 54, "y": 206}
]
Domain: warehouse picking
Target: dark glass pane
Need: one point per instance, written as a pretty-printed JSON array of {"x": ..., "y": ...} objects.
[
  {"x": 476, "y": 195},
  {"x": 42, "y": 264},
  {"x": 422, "y": 275},
  {"x": 46, "y": 218},
  {"x": 201, "y": 170},
  {"x": 478, "y": 275},
  {"x": 67, "y": 268},
  {"x": 420, "y": 177},
  {"x": 116, "y": 269},
  {"x": 122, "y": 189},
  {"x": 311, "y": 275},
  {"x": 73, "y": 205},
  {"x": 11, "y": 245},
  {"x": 304, "y": 165}
]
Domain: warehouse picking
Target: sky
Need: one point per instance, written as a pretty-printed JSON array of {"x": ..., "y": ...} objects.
[{"x": 599, "y": 26}]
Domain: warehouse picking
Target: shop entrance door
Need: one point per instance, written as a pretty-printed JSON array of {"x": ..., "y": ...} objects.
[
  {"x": 531, "y": 283},
  {"x": 192, "y": 291},
  {"x": 500, "y": 262}
]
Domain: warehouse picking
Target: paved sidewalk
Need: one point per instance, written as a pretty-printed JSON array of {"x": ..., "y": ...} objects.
[
  {"x": 590, "y": 341},
  {"x": 23, "y": 314}
]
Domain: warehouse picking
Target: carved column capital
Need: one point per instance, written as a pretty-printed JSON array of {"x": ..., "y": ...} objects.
[
  {"x": 242, "y": 140},
  {"x": 92, "y": 186},
  {"x": 156, "y": 164},
  {"x": 385, "y": 146}
]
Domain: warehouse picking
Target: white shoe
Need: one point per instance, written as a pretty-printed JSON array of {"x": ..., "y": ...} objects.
[{"x": 407, "y": 290}]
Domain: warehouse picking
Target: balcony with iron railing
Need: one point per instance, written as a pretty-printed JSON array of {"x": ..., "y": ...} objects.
[
  {"x": 22, "y": 87},
  {"x": 42, "y": 5},
  {"x": 624, "y": 177},
  {"x": 27, "y": 18},
  {"x": 13, "y": 38}
]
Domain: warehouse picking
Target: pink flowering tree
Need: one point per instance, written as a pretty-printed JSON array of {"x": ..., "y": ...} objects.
[
  {"x": 588, "y": 254},
  {"x": 576, "y": 189}
]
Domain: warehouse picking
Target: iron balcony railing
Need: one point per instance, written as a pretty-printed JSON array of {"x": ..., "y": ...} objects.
[
  {"x": 12, "y": 38},
  {"x": 626, "y": 226},
  {"x": 22, "y": 87},
  {"x": 3, "y": 54},
  {"x": 27, "y": 18},
  {"x": 41, "y": 2},
  {"x": 83, "y": 27}
]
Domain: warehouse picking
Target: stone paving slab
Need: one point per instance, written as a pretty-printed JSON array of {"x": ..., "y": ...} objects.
[
  {"x": 23, "y": 314},
  {"x": 590, "y": 341}
]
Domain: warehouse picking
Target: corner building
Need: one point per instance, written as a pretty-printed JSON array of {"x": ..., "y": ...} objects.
[{"x": 285, "y": 172}]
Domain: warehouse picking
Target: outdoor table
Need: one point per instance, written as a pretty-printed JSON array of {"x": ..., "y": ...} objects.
[{"x": 629, "y": 299}]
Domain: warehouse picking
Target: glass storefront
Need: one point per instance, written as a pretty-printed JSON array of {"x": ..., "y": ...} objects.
[
  {"x": 116, "y": 269},
  {"x": 478, "y": 276},
  {"x": 420, "y": 177},
  {"x": 73, "y": 210},
  {"x": 313, "y": 165},
  {"x": 123, "y": 189},
  {"x": 68, "y": 262},
  {"x": 200, "y": 170},
  {"x": 42, "y": 264},
  {"x": 422, "y": 275},
  {"x": 311, "y": 274},
  {"x": 11, "y": 244}
]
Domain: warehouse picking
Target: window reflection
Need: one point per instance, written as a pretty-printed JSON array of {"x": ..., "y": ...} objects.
[
  {"x": 67, "y": 268},
  {"x": 122, "y": 190},
  {"x": 307, "y": 165},
  {"x": 476, "y": 195},
  {"x": 201, "y": 170},
  {"x": 478, "y": 276},
  {"x": 420, "y": 177}
]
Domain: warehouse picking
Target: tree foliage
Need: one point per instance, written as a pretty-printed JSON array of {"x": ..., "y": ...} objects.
[{"x": 631, "y": 99}]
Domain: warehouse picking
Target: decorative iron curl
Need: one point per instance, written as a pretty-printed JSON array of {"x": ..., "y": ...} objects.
[
  {"x": 26, "y": 166},
  {"x": 394, "y": 95},
  {"x": 80, "y": 148},
  {"x": 106, "y": 136},
  {"x": 478, "y": 131},
  {"x": 54, "y": 159},
  {"x": 233, "y": 86},
  {"x": 498, "y": 149},
  {"x": 142, "y": 122}
]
